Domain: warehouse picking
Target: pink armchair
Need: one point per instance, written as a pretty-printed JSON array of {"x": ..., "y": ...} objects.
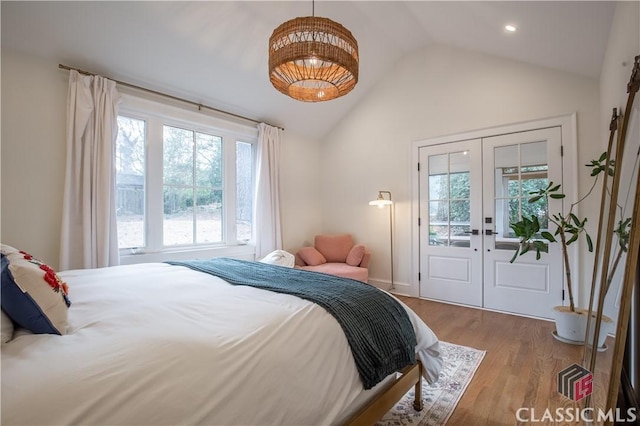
[{"x": 336, "y": 255}]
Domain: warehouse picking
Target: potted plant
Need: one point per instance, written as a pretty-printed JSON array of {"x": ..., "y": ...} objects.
[{"x": 571, "y": 322}]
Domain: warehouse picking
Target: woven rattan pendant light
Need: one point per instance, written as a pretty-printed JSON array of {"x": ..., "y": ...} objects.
[{"x": 313, "y": 59}]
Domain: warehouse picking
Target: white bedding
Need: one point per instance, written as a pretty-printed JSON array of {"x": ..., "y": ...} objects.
[{"x": 158, "y": 344}]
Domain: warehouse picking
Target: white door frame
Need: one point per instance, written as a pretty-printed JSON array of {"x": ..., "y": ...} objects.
[{"x": 568, "y": 125}]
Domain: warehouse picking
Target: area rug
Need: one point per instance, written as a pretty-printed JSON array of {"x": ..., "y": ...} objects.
[{"x": 441, "y": 398}]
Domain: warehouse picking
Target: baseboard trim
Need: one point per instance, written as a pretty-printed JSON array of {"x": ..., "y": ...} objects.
[
  {"x": 486, "y": 309},
  {"x": 401, "y": 289}
]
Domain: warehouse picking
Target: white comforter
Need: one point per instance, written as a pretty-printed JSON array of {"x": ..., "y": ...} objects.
[{"x": 159, "y": 344}]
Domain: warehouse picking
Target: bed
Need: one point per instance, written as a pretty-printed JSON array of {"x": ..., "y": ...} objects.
[{"x": 166, "y": 344}]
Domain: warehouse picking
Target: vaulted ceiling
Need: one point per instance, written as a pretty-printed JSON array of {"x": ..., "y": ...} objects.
[{"x": 216, "y": 52}]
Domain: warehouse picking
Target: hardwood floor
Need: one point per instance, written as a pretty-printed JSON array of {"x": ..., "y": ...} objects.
[{"x": 519, "y": 369}]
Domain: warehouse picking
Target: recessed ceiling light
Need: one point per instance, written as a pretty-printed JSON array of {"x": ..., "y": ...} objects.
[{"x": 510, "y": 28}]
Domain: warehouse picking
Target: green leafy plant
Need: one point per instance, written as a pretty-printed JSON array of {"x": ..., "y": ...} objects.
[
  {"x": 568, "y": 227},
  {"x": 622, "y": 231}
]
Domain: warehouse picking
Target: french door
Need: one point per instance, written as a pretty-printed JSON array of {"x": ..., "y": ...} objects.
[{"x": 469, "y": 193}]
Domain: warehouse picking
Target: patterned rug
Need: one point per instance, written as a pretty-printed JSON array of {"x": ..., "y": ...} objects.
[{"x": 441, "y": 398}]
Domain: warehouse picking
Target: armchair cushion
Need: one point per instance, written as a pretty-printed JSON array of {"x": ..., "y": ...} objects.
[
  {"x": 340, "y": 269},
  {"x": 311, "y": 256},
  {"x": 335, "y": 248},
  {"x": 354, "y": 258}
]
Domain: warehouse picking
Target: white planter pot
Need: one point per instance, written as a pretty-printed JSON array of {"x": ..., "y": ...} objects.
[{"x": 572, "y": 326}]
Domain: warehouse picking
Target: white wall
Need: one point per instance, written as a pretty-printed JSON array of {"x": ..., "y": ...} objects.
[
  {"x": 300, "y": 189},
  {"x": 33, "y": 154},
  {"x": 433, "y": 92},
  {"x": 622, "y": 47},
  {"x": 34, "y": 97}
]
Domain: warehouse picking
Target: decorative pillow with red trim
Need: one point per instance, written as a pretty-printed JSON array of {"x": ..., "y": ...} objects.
[{"x": 33, "y": 295}]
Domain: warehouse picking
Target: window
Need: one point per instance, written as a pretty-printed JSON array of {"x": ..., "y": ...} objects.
[
  {"x": 193, "y": 191},
  {"x": 520, "y": 170},
  {"x": 130, "y": 175},
  {"x": 449, "y": 199},
  {"x": 184, "y": 180}
]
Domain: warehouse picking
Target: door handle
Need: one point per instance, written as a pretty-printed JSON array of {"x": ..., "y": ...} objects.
[
  {"x": 489, "y": 232},
  {"x": 473, "y": 232}
]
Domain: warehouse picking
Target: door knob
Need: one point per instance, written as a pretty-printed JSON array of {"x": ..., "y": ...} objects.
[
  {"x": 489, "y": 232},
  {"x": 473, "y": 232}
]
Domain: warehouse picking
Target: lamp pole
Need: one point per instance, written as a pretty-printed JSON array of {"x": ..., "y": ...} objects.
[
  {"x": 381, "y": 201},
  {"x": 393, "y": 287}
]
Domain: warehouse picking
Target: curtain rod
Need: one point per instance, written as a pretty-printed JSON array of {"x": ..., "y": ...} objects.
[{"x": 175, "y": 98}]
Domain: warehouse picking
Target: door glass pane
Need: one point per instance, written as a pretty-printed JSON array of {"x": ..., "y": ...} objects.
[
  {"x": 438, "y": 187},
  {"x": 438, "y": 164},
  {"x": 130, "y": 189},
  {"x": 513, "y": 187},
  {"x": 439, "y": 223},
  {"x": 459, "y": 214},
  {"x": 507, "y": 170},
  {"x": 520, "y": 170},
  {"x": 459, "y": 185},
  {"x": 449, "y": 204}
]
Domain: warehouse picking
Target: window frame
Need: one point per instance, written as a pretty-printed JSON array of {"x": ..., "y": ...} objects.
[{"x": 156, "y": 115}]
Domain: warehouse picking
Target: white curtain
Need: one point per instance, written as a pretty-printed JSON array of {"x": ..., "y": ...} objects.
[
  {"x": 89, "y": 236},
  {"x": 267, "y": 200}
]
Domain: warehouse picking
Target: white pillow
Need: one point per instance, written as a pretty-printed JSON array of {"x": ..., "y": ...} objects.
[
  {"x": 280, "y": 258},
  {"x": 33, "y": 295},
  {"x": 7, "y": 327}
]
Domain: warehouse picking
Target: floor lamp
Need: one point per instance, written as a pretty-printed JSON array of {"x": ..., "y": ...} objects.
[{"x": 381, "y": 201}]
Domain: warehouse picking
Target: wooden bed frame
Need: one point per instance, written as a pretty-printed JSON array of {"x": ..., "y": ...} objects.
[{"x": 374, "y": 410}]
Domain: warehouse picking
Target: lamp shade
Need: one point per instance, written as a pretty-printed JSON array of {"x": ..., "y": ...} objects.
[
  {"x": 313, "y": 59},
  {"x": 381, "y": 201}
]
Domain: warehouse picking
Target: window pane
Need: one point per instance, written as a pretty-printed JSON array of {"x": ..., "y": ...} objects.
[
  {"x": 459, "y": 162},
  {"x": 438, "y": 187},
  {"x": 177, "y": 156},
  {"x": 514, "y": 206},
  {"x": 130, "y": 171},
  {"x": 438, "y": 164},
  {"x": 244, "y": 191},
  {"x": 460, "y": 187},
  {"x": 178, "y": 216},
  {"x": 520, "y": 171},
  {"x": 209, "y": 216},
  {"x": 460, "y": 235},
  {"x": 208, "y": 160},
  {"x": 507, "y": 167},
  {"x": 539, "y": 209},
  {"x": 460, "y": 212},
  {"x": 439, "y": 223},
  {"x": 513, "y": 186}
]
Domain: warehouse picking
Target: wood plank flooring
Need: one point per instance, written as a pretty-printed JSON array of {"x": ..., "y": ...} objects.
[{"x": 518, "y": 370}]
